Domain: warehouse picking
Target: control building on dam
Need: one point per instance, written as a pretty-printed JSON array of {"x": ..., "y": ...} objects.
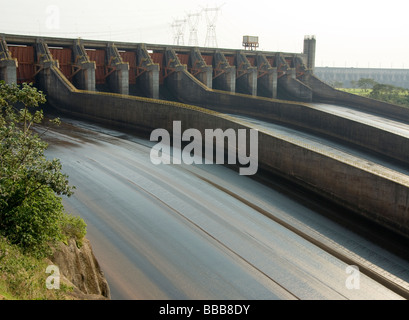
[{"x": 146, "y": 86}]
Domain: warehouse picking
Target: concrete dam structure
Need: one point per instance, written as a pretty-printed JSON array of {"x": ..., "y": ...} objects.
[
  {"x": 146, "y": 87},
  {"x": 346, "y": 76}
]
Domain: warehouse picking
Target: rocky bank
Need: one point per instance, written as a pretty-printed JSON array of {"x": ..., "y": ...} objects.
[{"x": 80, "y": 269}]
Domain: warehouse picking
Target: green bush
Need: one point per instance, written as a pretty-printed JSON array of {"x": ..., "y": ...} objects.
[
  {"x": 74, "y": 227},
  {"x": 31, "y": 212},
  {"x": 391, "y": 94},
  {"x": 35, "y": 222}
]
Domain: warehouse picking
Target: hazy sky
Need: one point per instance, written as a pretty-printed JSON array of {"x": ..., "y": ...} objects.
[{"x": 349, "y": 33}]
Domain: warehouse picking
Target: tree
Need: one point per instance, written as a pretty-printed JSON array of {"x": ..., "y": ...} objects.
[
  {"x": 390, "y": 93},
  {"x": 31, "y": 211},
  {"x": 366, "y": 83}
]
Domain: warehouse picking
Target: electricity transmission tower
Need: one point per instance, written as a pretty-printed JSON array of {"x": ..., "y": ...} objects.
[
  {"x": 211, "y": 19},
  {"x": 178, "y": 27},
  {"x": 193, "y": 21}
]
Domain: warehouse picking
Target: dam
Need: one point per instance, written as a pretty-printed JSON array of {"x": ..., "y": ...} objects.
[{"x": 347, "y": 150}]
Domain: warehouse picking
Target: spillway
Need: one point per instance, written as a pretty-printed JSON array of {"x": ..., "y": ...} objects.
[{"x": 205, "y": 232}]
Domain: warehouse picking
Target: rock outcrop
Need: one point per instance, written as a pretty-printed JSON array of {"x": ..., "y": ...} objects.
[{"x": 80, "y": 269}]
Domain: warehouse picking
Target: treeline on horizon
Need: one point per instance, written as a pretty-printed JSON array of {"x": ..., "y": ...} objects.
[{"x": 370, "y": 88}]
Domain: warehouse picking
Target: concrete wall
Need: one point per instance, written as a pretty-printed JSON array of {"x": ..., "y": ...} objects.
[
  {"x": 149, "y": 80},
  {"x": 188, "y": 90},
  {"x": 395, "y": 77},
  {"x": 384, "y": 199},
  {"x": 8, "y": 71},
  {"x": 8, "y": 66},
  {"x": 293, "y": 89}
]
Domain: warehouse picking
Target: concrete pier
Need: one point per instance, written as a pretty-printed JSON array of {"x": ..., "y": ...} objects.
[
  {"x": 288, "y": 84},
  {"x": 267, "y": 78},
  {"x": 8, "y": 65},
  {"x": 199, "y": 68},
  {"x": 246, "y": 76},
  {"x": 148, "y": 79},
  {"x": 45, "y": 64},
  {"x": 224, "y": 74},
  {"x": 84, "y": 77},
  {"x": 174, "y": 71},
  {"x": 118, "y": 78}
]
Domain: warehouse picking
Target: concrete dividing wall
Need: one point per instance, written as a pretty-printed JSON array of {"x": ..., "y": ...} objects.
[
  {"x": 293, "y": 88},
  {"x": 383, "y": 198},
  {"x": 324, "y": 93},
  {"x": 189, "y": 90},
  {"x": 289, "y": 87}
]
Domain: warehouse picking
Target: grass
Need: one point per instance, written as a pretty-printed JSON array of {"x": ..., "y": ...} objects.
[
  {"x": 358, "y": 91},
  {"x": 398, "y": 96},
  {"x": 23, "y": 277}
]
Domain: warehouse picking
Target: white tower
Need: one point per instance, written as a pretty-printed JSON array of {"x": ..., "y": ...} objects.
[
  {"x": 193, "y": 21},
  {"x": 211, "y": 18},
  {"x": 178, "y": 27}
]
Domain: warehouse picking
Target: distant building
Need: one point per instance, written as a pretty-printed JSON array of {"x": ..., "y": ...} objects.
[{"x": 396, "y": 77}]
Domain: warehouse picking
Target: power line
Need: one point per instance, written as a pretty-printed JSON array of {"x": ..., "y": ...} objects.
[
  {"x": 178, "y": 27},
  {"x": 193, "y": 21},
  {"x": 211, "y": 19}
]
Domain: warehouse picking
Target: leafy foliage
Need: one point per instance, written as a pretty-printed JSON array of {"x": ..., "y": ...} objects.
[
  {"x": 379, "y": 91},
  {"x": 366, "y": 83},
  {"x": 31, "y": 211},
  {"x": 389, "y": 93}
]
